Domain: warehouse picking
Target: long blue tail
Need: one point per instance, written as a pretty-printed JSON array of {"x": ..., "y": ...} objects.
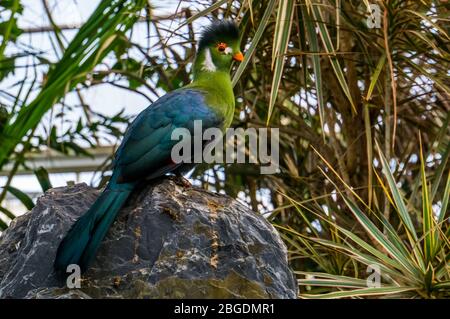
[{"x": 81, "y": 243}]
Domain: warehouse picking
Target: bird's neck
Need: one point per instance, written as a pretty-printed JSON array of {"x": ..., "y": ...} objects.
[
  {"x": 213, "y": 76},
  {"x": 214, "y": 79},
  {"x": 218, "y": 93},
  {"x": 215, "y": 82}
]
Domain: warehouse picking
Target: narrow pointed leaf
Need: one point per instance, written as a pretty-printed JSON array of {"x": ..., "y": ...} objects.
[
  {"x": 24, "y": 198},
  {"x": 281, "y": 40},
  {"x": 397, "y": 197},
  {"x": 328, "y": 44},
  {"x": 255, "y": 40},
  {"x": 43, "y": 178},
  {"x": 314, "y": 45},
  {"x": 365, "y": 292},
  {"x": 375, "y": 76}
]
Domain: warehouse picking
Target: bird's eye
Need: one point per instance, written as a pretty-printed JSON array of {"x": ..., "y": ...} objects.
[{"x": 221, "y": 46}]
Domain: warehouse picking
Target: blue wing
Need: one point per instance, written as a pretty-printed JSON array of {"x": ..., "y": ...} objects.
[{"x": 146, "y": 147}]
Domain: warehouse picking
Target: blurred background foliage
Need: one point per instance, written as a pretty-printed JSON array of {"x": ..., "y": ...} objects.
[{"x": 359, "y": 92}]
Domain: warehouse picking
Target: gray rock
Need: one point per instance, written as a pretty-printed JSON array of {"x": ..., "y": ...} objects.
[{"x": 169, "y": 241}]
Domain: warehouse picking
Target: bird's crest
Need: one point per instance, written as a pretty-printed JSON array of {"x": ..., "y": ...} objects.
[{"x": 219, "y": 31}]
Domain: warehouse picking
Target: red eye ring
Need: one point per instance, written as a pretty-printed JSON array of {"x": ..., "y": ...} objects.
[{"x": 221, "y": 46}]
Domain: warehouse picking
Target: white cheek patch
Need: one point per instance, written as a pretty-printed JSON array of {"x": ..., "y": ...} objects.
[
  {"x": 208, "y": 64},
  {"x": 228, "y": 50}
]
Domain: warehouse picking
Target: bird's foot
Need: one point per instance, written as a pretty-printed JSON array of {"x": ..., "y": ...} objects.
[{"x": 180, "y": 179}]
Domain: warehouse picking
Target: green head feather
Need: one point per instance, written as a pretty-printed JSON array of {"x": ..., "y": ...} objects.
[{"x": 218, "y": 45}]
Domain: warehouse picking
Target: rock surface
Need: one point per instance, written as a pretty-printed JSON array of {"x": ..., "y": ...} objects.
[{"x": 169, "y": 241}]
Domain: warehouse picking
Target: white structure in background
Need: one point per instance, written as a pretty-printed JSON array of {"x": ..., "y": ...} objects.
[{"x": 56, "y": 163}]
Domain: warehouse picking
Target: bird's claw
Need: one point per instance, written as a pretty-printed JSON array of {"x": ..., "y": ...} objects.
[{"x": 180, "y": 179}]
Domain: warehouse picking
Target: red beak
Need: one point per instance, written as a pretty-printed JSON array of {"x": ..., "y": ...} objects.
[{"x": 238, "y": 57}]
